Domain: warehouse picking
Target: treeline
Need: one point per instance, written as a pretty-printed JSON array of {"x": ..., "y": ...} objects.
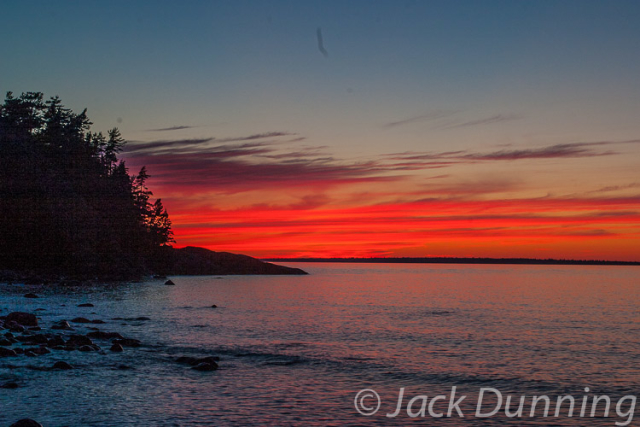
[{"x": 68, "y": 205}]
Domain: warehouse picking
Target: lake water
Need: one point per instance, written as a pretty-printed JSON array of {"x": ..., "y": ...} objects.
[{"x": 295, "y": 350}]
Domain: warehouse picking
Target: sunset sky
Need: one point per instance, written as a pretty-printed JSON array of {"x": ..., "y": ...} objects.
[{"x": 360, "y": 128}]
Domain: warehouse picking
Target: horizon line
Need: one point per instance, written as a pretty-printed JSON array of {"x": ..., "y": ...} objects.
[{"x": 456, "y": 260}]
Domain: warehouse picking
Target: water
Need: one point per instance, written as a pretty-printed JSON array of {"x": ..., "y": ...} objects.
[{"x": 295, "y": 350}]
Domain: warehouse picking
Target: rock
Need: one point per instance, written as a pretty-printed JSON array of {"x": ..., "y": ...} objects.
[
  {"x": 26, "y": 422},
  {"x": 21, "y": 318},
  {"x": 80, "y": 320},
  {"x": 86, "y": 348},
  {"x": 9, "y": 385},
  {"x": 117, "y": 348},
  {"x": 101, "y": 335},
  {"x": 40, "y": 309},
  {"x": 7, "y": 352},
  {"x": 5, "y": 342},
  {"x": 127, "y": 342},
  {"x": 206, "y": 367},
  {"x": 61, "y": 366},
  {"x": 30, "y": 295},
  {"x": 86, "y": 304},
  {"x": 214, "y": 306},
  {"x": 38, "y": 351},
  {"x": 169, "y": 282},
  {"x": 194, "y": 361},
  {"x": 62, "y": 324},
  {"x": 79, "y": 340},
  {"x": 14, "y": 326},
  {"x": 54, "y": 342}
]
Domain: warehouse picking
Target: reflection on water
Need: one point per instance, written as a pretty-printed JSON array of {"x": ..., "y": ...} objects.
[{"x": 296, "y": 350}]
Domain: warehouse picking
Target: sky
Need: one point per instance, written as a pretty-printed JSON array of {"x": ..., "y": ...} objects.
[{"x": 359, "y": 128}]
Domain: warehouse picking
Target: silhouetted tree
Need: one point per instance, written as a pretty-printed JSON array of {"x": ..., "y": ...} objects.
[{"x": 67, "y": 203}]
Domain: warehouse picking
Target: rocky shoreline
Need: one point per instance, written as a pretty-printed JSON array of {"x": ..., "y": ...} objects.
[{"x": 25, "y": 335}]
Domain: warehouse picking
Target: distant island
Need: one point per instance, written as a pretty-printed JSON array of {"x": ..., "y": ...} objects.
[{"x": 459, "y": 260}]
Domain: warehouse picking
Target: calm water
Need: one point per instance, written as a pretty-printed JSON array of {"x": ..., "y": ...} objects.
[{"x": 296, "y": 350}]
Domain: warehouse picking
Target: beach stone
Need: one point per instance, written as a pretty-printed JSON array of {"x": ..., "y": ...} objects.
[
  {"x": 7, "y": 352},
  {"x": 127, "y": 342},
  {"x": 101, "y": 335},
  {"x": 54, "y": 342},
  {"x": 86, "y": 304},
  {"x": 79, "y": 340},
  {"x": 206, "y": 367},
  {"x": 26, "y": 422},
  {"x": 169, "y": 282},
  {"x": 61, "y": 365},
  {"x": 117, "y": 348},
  {"x": 97, "y": 321},
  {"x": 214, "y": 306},
  {"x": 194, "y": 361},
  {"x": 80, "y": 320},
  {"x": 9, "y": 385},
  {"x": 21, "y": 318},
  {"x": 14, "y": 326},
  {"x": 62, "y": 324},
  {"x": 30, "y": 295}
]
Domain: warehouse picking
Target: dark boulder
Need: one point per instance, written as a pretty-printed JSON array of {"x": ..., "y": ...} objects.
[
  {"x": 127, "y": 342},
  {"x": 206, "y": 367},
  {"x": 117, "y": 348},
  {"x": 194, "y": 361},
  {"x": 26, "y": 422},
  {"x": 62, "y": 324},
  {"x": 30, "y": 295},
  {"x": 86, "y": 304},
  {"x": 79, "y": 341},
  {"x": 7, "y": 352},
  {"x": 60, "y": 365},
  {"x": 9, "y": 385},
  {"x": 101, "y": 335},
  {"x": 21, "y": 318},
  {"x": 169, "y": 282},
  {"x": 80, "y": 320}
]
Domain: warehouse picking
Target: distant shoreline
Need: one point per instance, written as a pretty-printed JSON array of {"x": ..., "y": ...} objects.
[{"x": 454, "y": 260}]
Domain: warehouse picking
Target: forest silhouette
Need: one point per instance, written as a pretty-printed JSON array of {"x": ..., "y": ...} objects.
[{"x": 68, "y": 204}]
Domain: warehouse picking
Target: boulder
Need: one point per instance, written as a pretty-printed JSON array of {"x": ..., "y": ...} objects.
[
  {"x": 206, "y": 367},
  {"x": 21, "y": 318},
  {"x": 9, "y": 385},
  {"x": 80, "y": 320},
  {"x": 169, "y": 282},
  {"x": 63, "y": 366},
  {"x": 62, "y": 324},
  {"x": 30, "y": 295},
  {"x": 7, "y": 352},
  {"x": 86, "y": 304},
  {"x": 26, "y": 422},
  {"x": 101, "y": 335},
  {"x": 127, "y": 342},
  {"x": 79, "y": 341},
  {"x": 117, "y": 348}
]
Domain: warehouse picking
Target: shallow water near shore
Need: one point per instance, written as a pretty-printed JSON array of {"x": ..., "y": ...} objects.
[{"x": 295, "y": 350}]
